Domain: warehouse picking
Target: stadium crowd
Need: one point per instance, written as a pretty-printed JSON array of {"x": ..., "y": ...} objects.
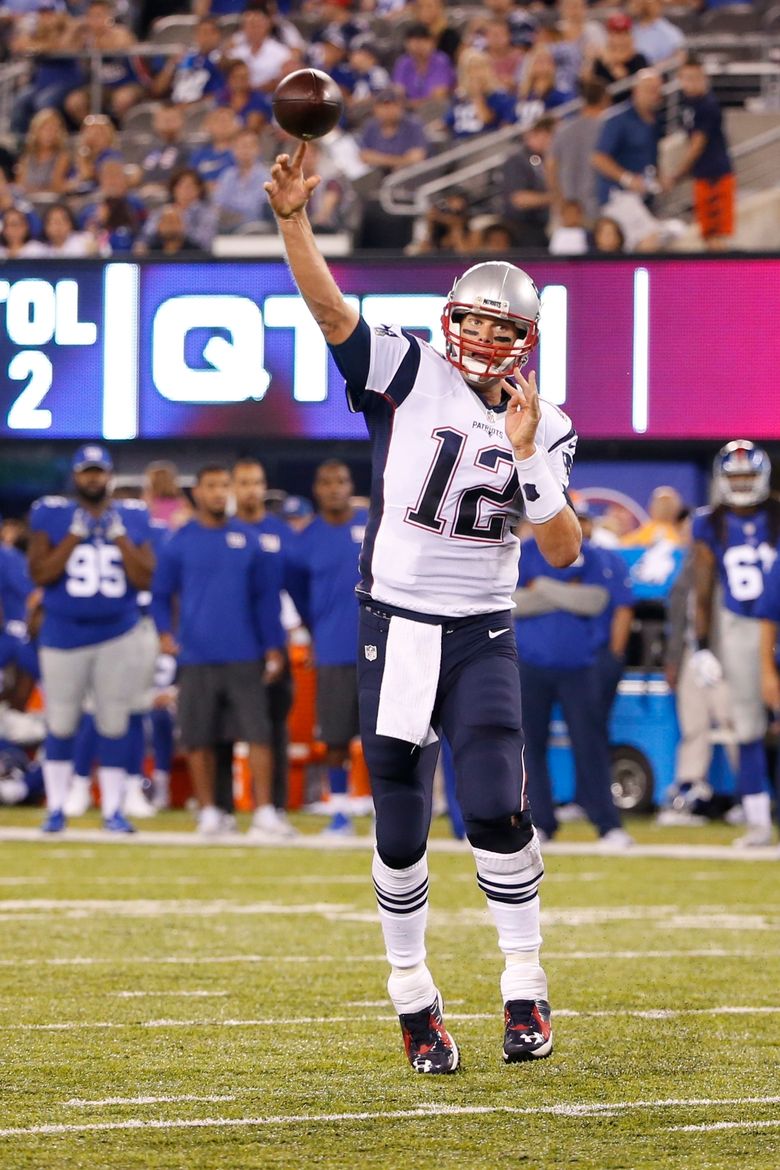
[
  {"x": 147, "y": 128},
  {"x": 198, "y": 596}
]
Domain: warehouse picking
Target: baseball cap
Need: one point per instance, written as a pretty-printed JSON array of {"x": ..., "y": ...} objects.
[
  {"x": 92, "y": 455},
  {"x": 619, "y": 22},
  {"x": 296, "y": 508}
]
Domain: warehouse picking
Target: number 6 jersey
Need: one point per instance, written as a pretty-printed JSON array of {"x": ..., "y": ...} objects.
[
  {"x": 744, "y": 553},
  {"x": 445, "y": 490},
  {"x": 93, "y": 600}
]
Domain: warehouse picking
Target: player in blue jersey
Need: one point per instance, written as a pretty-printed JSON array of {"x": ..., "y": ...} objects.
[
  {"x": 324, "y": 557},
  {"x": 461, "y": 443},
  {"x": 736, "y": 543},
  {"x": 250, "y": 485},
  {"x": 229, "y": 643},
  {"x": 91, "y": 555}
]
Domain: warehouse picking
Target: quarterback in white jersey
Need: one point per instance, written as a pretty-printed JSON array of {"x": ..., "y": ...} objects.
[{"x": 461, "y": 444}]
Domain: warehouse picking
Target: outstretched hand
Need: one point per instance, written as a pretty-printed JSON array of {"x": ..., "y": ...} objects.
[
  {"x": 288, "y": 191},
  {"x": 522, "y": 414}
]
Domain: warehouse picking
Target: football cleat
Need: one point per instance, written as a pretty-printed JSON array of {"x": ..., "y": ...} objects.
[
  {"x": 117, "y": 824},
  {"x": 135, "y": 803},
  {"x": 340, "y": 826},
  {"x": 79, "y": 798},
  {"x": 527, "y": 1030},
  {"x": 428, "y": 1044},
  {"x": 55, "y": 822},
  {"x": 757, "y": 837}
]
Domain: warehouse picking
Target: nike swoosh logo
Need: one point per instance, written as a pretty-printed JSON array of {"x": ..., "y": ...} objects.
[{"x": 495, "y": 633}]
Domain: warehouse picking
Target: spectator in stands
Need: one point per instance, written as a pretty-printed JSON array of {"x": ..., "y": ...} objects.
[
  {"x": 330, "y": 207},
  {"x": 252, "y": 109},
  {"x": 577, "y": 43},
  {"x": 608, "y": 235},
  {"x": 239, "y": 193},
  {"x": 323, "y": 563},
  {"x": 218, "y": 7},
  {"x": 392, "y": 138},
  {"x": 619, "y": 59},
  {"x": 477, "y": 104},
  {"x": 268, "y": 59},
  {"x": 706, "y": 158},
  {"x": 536, "y": 91},
  {"x": 216, "y": 155},
  {"x": 655, "y": 37},
  {"x": 522, "y": 23},
  {"x": 570, "y": 171},
  {"x": 97, "y": 31},
  {"x": 664, "y": 508},
  {"x": 447, "y": 226},
  {"x": 62, "y": 237},
  {"x": 494, "y": 235},
  {"x": 170, "y": 238},
  {"x": 163, "y": 496},
  {"x": 434, "y": 15},
  {"x": 52, "y": 78},
  {"x": 16, "y": 242},
  {"x": 422, "y": 71},
  {"x": 527, "y": 196},
  {"x": 230, "y": 642},
  {"x": 364, "y": 78},
  {"x": 96, "y": 144},
  {"x": 328, "y": 52},
  {"x": 11, "y": 199},
  {"x": 197, "y": 74},
  {"x": 116, "y": 216},
  {"x": 188, "y": 191},
  {"x": 168, "y": 155},
  {"x": 45, "y": 161},
  {"x": 626, "y": 159},
  {"x": 504, "y": 57},
  {"x": 569, "y": 237}
]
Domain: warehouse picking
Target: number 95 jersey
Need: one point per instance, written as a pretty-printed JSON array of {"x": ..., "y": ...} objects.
[
  {"x": 445, "y": 490},
  {"x": 92, "y": 600}
]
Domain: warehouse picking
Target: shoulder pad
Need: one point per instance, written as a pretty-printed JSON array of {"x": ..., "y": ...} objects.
[
  {"x": 132, "y": 505},
  {"x": 52, "y": 502}
]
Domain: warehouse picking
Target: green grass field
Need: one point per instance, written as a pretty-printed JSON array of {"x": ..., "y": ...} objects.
[{"x": 224, "y": 1007}]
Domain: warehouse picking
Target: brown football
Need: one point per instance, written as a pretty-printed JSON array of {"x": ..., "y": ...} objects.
[{"x": 307, "y": 103}]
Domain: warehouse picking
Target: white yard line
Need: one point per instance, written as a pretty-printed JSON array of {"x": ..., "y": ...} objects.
[
  {"x": 423, "y": 1112},
  {"x": 180, "y": 960},
  {"x": 772, "y": 1124},
  {"x": 81, "y": 1103},
  {"x": 437, "y": 845},
  {"x": 324, "y": 1021},
  {"x": 176, "y": 994}
]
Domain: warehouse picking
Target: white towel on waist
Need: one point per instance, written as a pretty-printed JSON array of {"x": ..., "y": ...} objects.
[{"x": 409, "y": 680}]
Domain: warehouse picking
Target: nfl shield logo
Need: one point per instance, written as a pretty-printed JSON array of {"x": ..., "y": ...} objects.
[{"x": 370, "y": 653}]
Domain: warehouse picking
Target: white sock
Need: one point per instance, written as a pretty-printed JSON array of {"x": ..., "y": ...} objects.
[
  {"x": 112, "y": 783},
  {"x": 56, "y": 780},
  {"x": 411, "y": 988},
  {"x": 523, "y": 977},
  {"x": 758, "y": 810},
  {"x": 402, "y": 899}
]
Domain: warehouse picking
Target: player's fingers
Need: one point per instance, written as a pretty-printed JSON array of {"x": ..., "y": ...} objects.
[
  {"x": 312, "y": 183},
  {"x": 299, "y": 155}
]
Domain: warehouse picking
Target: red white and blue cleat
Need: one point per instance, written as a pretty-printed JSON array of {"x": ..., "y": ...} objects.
[
  {"x": 428, "y": 1044},
  {"x": 527, "y": 1030}
]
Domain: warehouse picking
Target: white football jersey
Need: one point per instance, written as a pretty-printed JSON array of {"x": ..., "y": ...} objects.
[{"x": 445, "y": 490}]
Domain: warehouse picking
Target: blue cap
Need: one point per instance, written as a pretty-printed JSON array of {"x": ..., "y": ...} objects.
[
  {"x": 92, "y": 455},
  {"x": 296, "y": 507}
]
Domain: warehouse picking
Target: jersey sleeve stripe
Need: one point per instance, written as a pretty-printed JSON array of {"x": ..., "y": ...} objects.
[
  {"x": 405, "y": 376},
  {"x": 570, "y": 434}
]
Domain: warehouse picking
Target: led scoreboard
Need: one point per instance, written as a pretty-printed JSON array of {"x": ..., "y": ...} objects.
[{"x": 664, "y": 349}]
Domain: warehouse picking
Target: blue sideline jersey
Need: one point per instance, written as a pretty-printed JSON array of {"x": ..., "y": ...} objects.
[
  {"x": 228, "y": 591},
  {"x": 617, "y": 579},
  {"x": 159, "y": 533},
  {"x": 323, "y": 577},
  {"x": 93, "y": 600},
  {"x": 15, "y": 587},
  {"x": 768, "y": 604},
  {"x": 561, "y": 640},
  {"x": 744, "y": 557}
]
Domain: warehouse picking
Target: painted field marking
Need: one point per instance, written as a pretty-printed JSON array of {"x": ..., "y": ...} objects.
[
  {"x": 773, "y": 1124},
  {"x": 176, "y": 994},
  {"x": 314, "y": 1021},
  {"x": 82, "y": 1103},
  {"x": 423, "y": 1112}
]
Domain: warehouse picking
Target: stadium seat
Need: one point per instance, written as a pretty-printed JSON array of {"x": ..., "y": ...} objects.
[{"x": 172, "y": 30}]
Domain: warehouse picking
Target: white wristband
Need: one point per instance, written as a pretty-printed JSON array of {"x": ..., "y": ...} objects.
[{"x": 542, "y": 494}]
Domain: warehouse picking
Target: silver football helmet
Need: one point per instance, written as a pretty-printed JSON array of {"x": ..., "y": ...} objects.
[
  {"x": 741, "y": 474},
  {"x": 491, "y": 289}
]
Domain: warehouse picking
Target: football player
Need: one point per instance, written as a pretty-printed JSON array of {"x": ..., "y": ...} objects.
[
  {"x": 459, "y": 442},
  {"x": 735, "y": 545},
  {"x": 91, "y": 555}
]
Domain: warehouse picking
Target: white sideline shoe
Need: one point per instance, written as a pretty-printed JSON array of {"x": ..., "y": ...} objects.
[
  {"x": 79, "y": 798},
  {"x": 270, "y": 827},
  {"x": 617, "y": 840},
  {"x": 135, "y": 803}
]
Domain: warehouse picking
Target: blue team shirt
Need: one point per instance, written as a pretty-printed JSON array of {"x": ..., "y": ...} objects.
[
  {"x": 704, "y": 115},
  {"x": 768, "y": 604},
  {"x": 323, "y": 563},
  {"x": 15, "y": 587},
  {"x": 631, "y": 142},
  {"x": 228, "y": 590},
  {"x": 562, "y": 640},
  {"x": 92, "y": 601},
  {"x": 744, "y": 558},
  {"x": 617, "y": 579}
]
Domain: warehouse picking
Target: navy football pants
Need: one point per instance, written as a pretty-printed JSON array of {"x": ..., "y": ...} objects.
[{"x": 478, "y": 709}]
